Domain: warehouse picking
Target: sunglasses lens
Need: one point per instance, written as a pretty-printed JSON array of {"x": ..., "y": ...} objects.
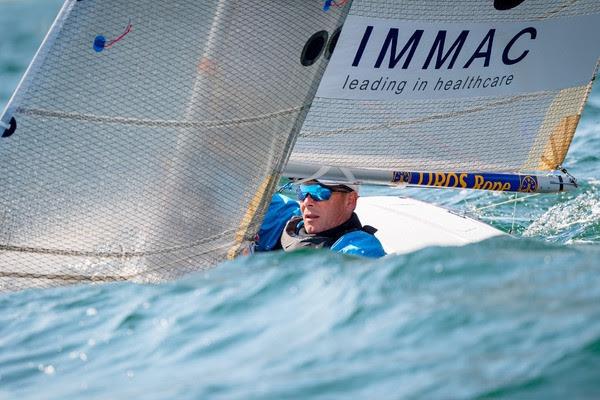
[{"x": 317, "y": 192}]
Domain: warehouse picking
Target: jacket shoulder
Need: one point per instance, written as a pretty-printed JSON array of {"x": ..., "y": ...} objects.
[
  {"x": 359, "y": 243},
  {"x": 280, "y": 211}
]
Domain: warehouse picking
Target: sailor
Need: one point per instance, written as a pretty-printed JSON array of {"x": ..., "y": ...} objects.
[{"x": 324, "y": 217}]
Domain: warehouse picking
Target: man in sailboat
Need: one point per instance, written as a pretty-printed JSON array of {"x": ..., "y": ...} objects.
[{"x": 323, "y": 217}]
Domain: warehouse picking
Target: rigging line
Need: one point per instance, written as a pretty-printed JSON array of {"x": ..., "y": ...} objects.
[
  {"x": 152, "y": 122},
  {"x": 115, "y": 40},
  {"x": 506, "y": 202},
  {"x": 395, "y": 124},
  {"x": 567, "y": 173},
  {"x": 512, "y": 227}
]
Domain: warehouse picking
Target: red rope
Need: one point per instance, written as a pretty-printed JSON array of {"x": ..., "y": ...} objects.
[
  {"x": 127, "y": 30},
  {"x": 340, "y": 3}
]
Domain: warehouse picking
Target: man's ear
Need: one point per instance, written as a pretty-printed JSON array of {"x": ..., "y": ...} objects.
[{"x": 351, "y": 199}]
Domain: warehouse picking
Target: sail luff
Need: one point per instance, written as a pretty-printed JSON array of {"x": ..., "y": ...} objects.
[
  {"x": 39, "y": 56},
  {"x": 154, "y": 156}
]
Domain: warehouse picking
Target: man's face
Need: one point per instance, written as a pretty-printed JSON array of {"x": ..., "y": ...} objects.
[{"x": 320, "y": 216}]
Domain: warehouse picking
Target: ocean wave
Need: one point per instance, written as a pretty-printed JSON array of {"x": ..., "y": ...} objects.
[
  {"x": 577, "y": 219},
  {"x": 459, "y": 322}
]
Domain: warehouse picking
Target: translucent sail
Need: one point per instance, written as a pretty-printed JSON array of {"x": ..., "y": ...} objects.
[
  {"x": 495, "y": 86},
  {"x": 147, "y": 136}
]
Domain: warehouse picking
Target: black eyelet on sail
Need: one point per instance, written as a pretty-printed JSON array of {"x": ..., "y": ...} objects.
[
  {"x": 332, "y": 42},
  {"x": 503, "y": 5},
  {"x": 11, "y": 128},
  {"x": 314, "y": 48}
]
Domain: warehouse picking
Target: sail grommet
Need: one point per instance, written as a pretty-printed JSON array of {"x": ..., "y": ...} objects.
[
  {"x": 314, "y": 48},
  {"x": 332, "y": 42},
  {"x": 503, "y": 5},
  {"x": 12, "y": 127}
]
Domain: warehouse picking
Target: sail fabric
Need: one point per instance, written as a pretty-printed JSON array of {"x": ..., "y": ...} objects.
[
  {"x": 150, "y": 135},
  {"x": 524, "y": 123}
]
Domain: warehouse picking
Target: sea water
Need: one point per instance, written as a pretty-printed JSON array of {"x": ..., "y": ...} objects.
[{"x": 504, "y": 318}]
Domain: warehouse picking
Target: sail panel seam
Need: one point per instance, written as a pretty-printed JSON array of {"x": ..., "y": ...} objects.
[
  {"x": 396, "y": 124},
  {"x": 119, "y": 255},
  {"x": 155, "y": 123}
]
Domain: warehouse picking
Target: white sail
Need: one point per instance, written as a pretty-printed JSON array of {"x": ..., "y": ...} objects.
[
  {"x": 146, "y": 137},
  {"x": 452, "y": 86}
]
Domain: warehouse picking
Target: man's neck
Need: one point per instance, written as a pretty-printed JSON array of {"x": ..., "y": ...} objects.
[{"x": 351, "y": 224}]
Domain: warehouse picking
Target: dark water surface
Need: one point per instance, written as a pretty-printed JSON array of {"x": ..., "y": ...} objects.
[{"x": 505, "y": 318}]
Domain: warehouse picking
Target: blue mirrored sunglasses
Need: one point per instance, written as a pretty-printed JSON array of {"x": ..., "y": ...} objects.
[{"x": 317, "y": 192}]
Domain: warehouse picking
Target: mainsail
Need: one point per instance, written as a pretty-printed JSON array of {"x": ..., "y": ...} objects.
[
  {"x": 146, "y": 137},
  {"x": 443, "y": 93}
]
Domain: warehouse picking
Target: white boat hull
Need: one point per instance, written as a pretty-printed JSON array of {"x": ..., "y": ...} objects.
[{"x": 405, "y": 225}]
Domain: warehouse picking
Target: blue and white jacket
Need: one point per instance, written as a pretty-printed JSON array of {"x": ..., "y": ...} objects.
[{"x": 283, "y": 227}]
